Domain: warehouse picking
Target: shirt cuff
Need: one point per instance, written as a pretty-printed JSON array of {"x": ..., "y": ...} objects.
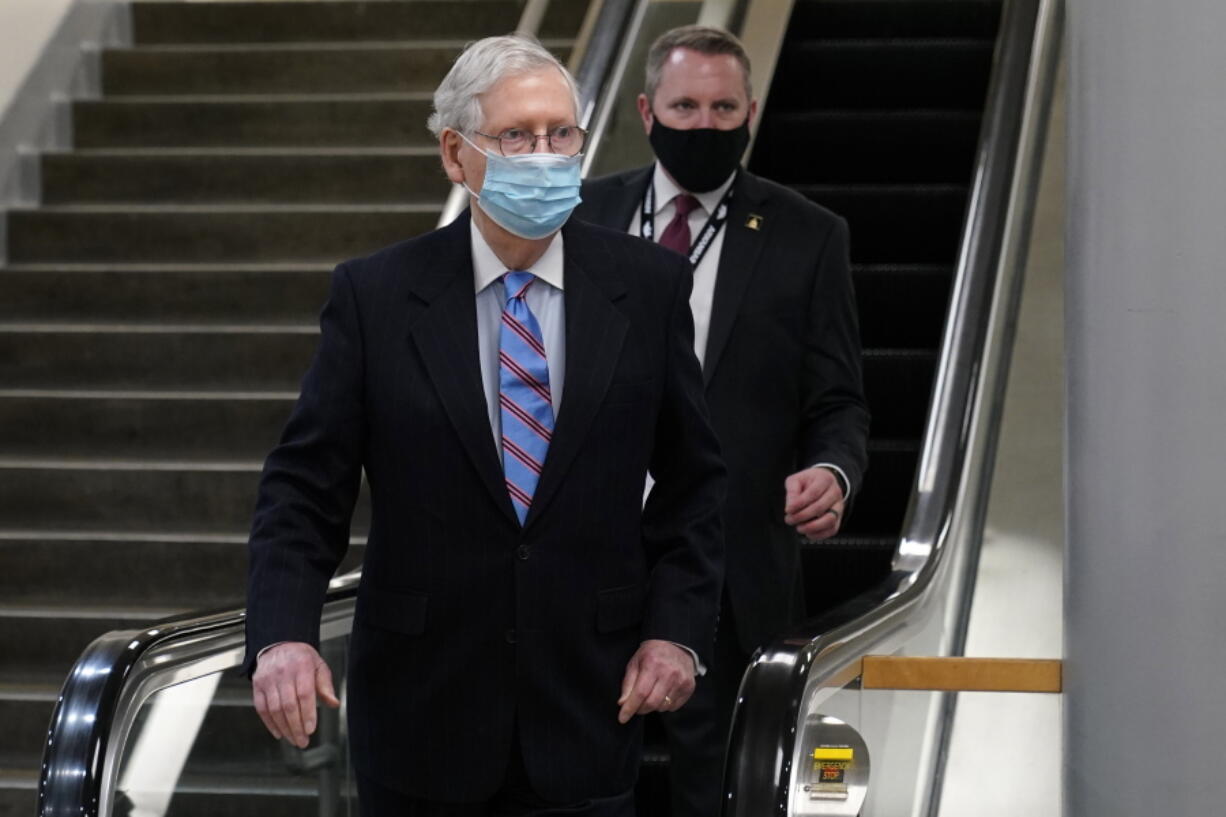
[
  {"x": 699, "y": 669},
  {"x": 260, "y": 654},
  {"x": 840, "y": 475}
]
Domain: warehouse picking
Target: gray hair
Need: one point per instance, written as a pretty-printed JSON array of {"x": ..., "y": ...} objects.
[
  {"x": 457, "y": 100},
  {"x": 703, "y": 39}
]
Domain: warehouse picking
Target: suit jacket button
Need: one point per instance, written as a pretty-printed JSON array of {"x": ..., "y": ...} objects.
[
  {"x": 523, "y": 551},
  {"x": 510, "y": 636}
]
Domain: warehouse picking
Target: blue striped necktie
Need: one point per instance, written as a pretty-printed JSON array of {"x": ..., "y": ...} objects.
[{"x": 523, "y": 394}]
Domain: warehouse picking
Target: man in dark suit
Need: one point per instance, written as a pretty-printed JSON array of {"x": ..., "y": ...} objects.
[
  {"x": 518, "y": 606},
  {"x": 777, "y": 335}
]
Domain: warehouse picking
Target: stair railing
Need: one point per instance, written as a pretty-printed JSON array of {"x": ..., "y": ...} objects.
[{"x": 927, "y": 592}]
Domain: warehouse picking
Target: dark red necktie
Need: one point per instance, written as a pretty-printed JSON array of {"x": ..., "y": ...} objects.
[{"x": 676, "y": 235}]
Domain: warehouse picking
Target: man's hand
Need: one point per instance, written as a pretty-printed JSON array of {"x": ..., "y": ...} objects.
[
  {"x": 814, "y": 504},
  {"x": 286, "y": 680},
  {"x": 659, "y": 678}
]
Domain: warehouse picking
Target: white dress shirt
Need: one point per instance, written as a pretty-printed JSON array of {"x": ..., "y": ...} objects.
[
  {"x": 547, "y": 303},
  {"x": 703, "y": 294}
]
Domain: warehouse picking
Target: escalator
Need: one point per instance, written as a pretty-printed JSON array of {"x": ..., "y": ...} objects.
[
  {"x": 874, "y": 112},
  {"x": 877, "y": 111}
]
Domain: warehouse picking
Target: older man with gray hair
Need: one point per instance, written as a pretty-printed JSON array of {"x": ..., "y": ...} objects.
[{"x": 506, "y": 383}]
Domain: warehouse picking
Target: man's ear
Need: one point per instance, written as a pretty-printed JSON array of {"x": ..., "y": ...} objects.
[
  {"x": 753, "y": 111},
  {"x": 449, "y": 144},
  {"x": 645, "y": 112}
]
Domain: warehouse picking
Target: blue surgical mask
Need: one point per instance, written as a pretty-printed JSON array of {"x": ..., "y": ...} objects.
[{"x": 530, "y": 195}]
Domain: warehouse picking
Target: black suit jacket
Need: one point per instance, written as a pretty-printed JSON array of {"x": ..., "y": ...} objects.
[
  {"x": 466, "y": 624},
  {"x": 782, "y": 373}
]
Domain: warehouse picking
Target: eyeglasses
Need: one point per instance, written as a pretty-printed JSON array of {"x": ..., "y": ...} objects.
[{"x": 565, "y": 139}]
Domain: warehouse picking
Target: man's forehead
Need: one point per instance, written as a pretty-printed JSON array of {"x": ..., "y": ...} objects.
[
  {"x": 526, "y": 94},
  {"x": 686, "y": 69}
]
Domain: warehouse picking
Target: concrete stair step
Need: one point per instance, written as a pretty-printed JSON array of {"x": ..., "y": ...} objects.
[
  {"x": 25, "y": 711},
  {"x": 890, "y": 296},
  {"x": 235, "y": 294},
  {"x": 118, "y": 496},
  {"x": 91, "y": 424},
  {"x": 267, "y": 68},
  {"x": 18, "y": 791},
  {"x": 221, "y": 234},
  {"x": 252, "y": 176},
  {"x": 242, "y": 358},
  {"x": 166, "y": 357},
  {"x": 251, "y": 22},
  {"x": 316, "y": 120},
  {"x": 170, "y": 571},
  {"x": 43, "y": 643}
]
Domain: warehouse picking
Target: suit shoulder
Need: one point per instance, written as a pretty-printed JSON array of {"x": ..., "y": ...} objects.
[
  {"x": 613, "y": 181},
  {"x": 634, "y": 259},
  {"x": 798, "y": 206},
  {"x": 397, "y": 263}
]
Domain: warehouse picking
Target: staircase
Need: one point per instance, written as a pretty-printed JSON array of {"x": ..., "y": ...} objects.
[
  {"x": 874, "y": 113},
  {"x": 159, "y": 307}
]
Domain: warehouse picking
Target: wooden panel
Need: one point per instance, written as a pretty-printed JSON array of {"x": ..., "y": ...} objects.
[{"x": 962, "y": 674}]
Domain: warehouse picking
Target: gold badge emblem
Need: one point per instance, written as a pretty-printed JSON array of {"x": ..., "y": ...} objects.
[{"x": 754, "y": 222}]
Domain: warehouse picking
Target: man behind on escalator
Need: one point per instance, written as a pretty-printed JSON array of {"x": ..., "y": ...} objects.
[{"x": 777, "y": 335}]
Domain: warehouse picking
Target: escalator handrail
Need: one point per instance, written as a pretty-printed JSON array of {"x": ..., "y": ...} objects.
[
  {"x": 112, "y": 678},
  {"x": 825, "y": 653}
]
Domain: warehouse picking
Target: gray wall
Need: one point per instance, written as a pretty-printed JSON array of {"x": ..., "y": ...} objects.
[
  {"x": 25, "y": 28},
  {"x": 1146, "y": 452}
]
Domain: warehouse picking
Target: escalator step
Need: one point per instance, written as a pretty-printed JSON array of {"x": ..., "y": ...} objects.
[
  {"x": 919, "y": 223},
  {"x": 897, "y": 386},
  {"x": 859, "y": 19},
  {"x": 882, "y": 73},
  {"x": 875, "y": 147},
  {"x": 898, "y": 304},
  {"x": 879, "y": 507}
]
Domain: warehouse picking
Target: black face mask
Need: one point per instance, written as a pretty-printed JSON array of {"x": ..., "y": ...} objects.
[{"x": 700, "y": 159}]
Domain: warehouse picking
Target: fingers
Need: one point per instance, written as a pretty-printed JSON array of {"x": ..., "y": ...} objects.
[
  {"x": 808, "y": 488},
  {"x": 801, "y": 491},
  {"x": 323, "y": 685},
  {"x": 660, "y": 678},
  {"x": 284, "y": 686},
  {"x": 823, "y": 527},
  {"x": 261, "y": 706},
  {"x": 802, "y": 512},
  {"x": 634, "y": 690}
]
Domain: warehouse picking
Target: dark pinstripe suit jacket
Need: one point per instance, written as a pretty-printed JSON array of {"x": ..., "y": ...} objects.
[{"x": 468, "y": 625}]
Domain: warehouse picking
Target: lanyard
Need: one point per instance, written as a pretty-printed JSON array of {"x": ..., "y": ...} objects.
[{"x": 700, "y": 246}]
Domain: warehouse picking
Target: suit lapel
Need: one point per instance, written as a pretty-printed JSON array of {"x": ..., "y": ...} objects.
[
  {"x": 742, "y": 247},
  {"x": 595, "y": 331},
  {"x": 445, "y": 333}
]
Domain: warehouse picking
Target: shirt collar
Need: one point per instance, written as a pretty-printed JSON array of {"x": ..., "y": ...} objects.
[
  {"x": 667, "y": 190},
  {"x": 487, "y": 268}
]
